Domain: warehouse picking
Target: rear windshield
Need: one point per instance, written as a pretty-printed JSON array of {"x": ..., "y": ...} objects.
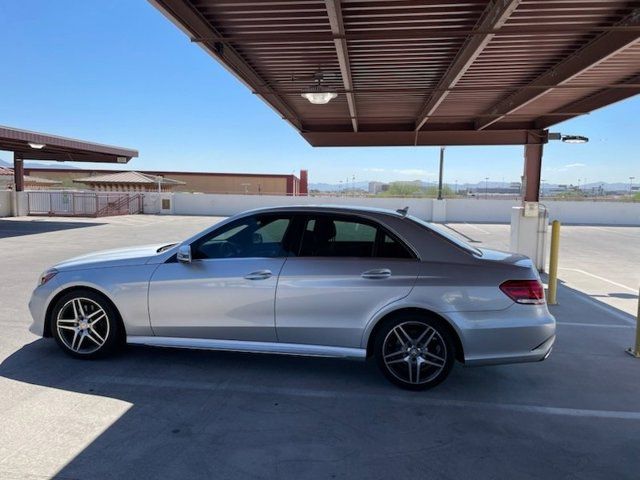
[{"x": 444, "y": 232}]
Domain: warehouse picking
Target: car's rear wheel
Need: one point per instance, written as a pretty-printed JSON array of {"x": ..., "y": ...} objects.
[
  {"x": 85, "y": 324},
  {"x": 413, "y": 352}
]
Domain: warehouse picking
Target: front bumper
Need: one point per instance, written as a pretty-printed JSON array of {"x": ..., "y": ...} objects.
[
  {"x": 521, "y": 333},
  {"x": 38, "y": 303}
]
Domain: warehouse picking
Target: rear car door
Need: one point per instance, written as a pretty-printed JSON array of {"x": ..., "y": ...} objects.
[
  {"x": 228, "y": 290},
  {"x": 346, "y": 269}
]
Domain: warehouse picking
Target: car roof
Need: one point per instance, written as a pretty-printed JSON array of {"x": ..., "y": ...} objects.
[{"x": 326, "y": 208}]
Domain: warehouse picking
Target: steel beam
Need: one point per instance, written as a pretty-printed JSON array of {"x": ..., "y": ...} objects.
[
  {"x": 424, "y": 138},
  {"x": 595, "y": 52},
  {"x": 494, "y": 17},
  {"x": 183, "y": 15},
  {"x": 334, "y": 10},
  {"x": 592, "y": 102},
  {"x": 532, "y": 169},
  {"x": 406, "y": 34},
  {"x": 18, "y": 172}
]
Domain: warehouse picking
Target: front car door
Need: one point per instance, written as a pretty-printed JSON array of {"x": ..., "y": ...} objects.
[
  {"x": 346, "y": 269},
  {"x": 228, "y": 290}
]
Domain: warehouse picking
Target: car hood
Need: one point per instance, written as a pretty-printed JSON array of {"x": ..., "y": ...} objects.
[{"x": 111, "y": 258}]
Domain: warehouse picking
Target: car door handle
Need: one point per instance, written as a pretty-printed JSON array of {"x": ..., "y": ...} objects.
[
  {"x": 377, "y": 273},
  {"x": 258, "y": 275}
]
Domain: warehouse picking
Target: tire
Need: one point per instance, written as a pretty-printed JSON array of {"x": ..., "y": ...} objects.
[
  {"x": 414, "y": 352},
  {"x": 85, "y": 324}
]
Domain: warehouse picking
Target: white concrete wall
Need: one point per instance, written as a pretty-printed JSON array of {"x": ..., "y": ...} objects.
[
  {"x": 479, "y": 210},
  {"x": 456, "y": 210},
  {"x": 595, "y": 213},
  {"x": 5, "y": 203},
  {"x": 7, "y": 199},
  {"x": 212, "y": 204},
  {"x": 452, "y": 210}
]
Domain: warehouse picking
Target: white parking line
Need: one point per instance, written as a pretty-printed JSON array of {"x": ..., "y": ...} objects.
[
  {"x": 616, "y": 232},
  {"x": 408, "y": 399},
  {"x": 477, "y": 228},
  {"x": 625, "y": 317},
  {"x": 598, "y": 277}
]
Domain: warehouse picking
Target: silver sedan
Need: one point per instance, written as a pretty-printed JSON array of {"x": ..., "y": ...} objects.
[{"x": 320, "y": 281}]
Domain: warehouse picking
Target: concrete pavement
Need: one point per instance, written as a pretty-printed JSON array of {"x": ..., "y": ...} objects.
[{"x": 155, "y": 413}]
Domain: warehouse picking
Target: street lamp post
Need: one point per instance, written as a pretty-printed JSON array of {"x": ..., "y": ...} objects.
[{"x": 440, "y": 173}]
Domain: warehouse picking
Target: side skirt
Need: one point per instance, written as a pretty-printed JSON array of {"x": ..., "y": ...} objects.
[{"x": 253, "y": 347}]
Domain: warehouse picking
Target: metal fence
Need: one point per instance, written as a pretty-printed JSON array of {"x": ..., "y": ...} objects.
[{"x": 83, "y": 204}]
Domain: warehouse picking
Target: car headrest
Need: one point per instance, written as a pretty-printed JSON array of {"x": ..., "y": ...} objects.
[{"x": 324, "y": 229}]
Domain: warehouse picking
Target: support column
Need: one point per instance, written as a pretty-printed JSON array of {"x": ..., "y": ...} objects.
[
  {"x": 18, "y": 171},
  {"x": 528, "y": 222},
  {"x": 532, "y": 169}
]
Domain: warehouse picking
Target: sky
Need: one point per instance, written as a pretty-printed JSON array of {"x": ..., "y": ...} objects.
[{"x": 118, "y": 72}]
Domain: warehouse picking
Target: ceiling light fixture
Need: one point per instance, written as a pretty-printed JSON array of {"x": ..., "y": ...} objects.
[
  {"x": 317, "y": 94},
  {"x": 37, "y": 146},
  {"x": 319, "y": 97}
]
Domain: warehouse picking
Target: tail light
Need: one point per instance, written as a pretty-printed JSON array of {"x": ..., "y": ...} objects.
[{"x": 524, "y": 291}]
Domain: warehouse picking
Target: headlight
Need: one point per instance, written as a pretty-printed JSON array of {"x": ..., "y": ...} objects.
[{"x": 48, "y": 275}]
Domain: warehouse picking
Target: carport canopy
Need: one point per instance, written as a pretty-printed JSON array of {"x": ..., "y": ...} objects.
[
  {"x": 444, "y": 72},
  {"x": 27, "y": 145}
]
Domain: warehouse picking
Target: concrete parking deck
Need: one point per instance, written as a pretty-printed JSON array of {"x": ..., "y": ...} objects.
[{"x": 153, "y": 413}]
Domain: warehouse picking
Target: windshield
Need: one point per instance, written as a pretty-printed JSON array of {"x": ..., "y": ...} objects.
[{"x": 444, "y": 232}]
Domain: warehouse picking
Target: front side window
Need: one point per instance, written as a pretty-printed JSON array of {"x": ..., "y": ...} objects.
[
  {"x": 255, "y": 236},
  {"x": 327, "y": 236}
]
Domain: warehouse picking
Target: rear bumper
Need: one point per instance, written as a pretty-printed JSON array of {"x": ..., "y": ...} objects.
[
  {"x": 522, "y": 333},
  {"x": 535, "y": 355}
]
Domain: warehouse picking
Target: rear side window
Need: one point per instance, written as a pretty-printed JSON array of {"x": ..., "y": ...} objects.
[
  {"x": 391, "y": 248},
  {"x": 329, "y": 236}
]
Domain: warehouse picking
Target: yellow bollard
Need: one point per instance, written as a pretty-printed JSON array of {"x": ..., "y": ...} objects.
[
  {"x": 553, "y": 263},
  {"x": 635, "y": 350}
]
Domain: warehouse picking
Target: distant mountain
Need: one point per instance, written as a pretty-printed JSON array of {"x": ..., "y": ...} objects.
[
  {"x": 4, "y": 163},
  {"x": 478, "y": 186},
  {"x": 334, "y": 187}
]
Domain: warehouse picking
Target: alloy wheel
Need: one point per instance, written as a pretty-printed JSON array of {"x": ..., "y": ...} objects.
[
  {"x": 414, "y": 352},
  {"x": 82, "y": 325}
]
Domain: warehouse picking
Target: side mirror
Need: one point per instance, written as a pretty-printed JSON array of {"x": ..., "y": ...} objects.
[{"x": 184, "y": 254}]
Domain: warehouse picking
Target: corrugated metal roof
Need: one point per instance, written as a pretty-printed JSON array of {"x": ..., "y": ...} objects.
[
  {"x": 55, "y": 147},
  {"x": 438, "y": 72},
  {"x": 8, "y": 172},
  {"x": 128, "y": 178}
]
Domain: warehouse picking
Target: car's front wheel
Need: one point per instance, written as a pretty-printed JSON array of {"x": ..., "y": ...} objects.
[
  {"x": 85, "y": 324},
  {"x": 413, "y": 352}
]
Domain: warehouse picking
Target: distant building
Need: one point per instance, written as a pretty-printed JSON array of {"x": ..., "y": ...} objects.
[
  {"x": 129, "y": 182},
  {"x": 377, "y": 187},
  {"x": 30, "y": 182},
  {"x": 202, "y": 182}
]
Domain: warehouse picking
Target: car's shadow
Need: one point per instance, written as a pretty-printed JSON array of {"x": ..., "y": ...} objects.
[
  {"x": 202, "y": 414},
  {"x": 193, "y": 413},
  {"x": 13, "y": 228}
]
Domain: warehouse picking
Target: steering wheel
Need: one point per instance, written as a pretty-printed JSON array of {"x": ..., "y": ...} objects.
[{"x": 228, "y": 249}]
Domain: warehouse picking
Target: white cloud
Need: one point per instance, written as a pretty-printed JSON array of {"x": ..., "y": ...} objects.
[
  {"x": 373, "y": 169},
  {"x": 575, "y": 165}
]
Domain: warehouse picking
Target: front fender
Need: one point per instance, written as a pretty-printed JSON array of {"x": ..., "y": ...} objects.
[{"x": 126, "y": 287}]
